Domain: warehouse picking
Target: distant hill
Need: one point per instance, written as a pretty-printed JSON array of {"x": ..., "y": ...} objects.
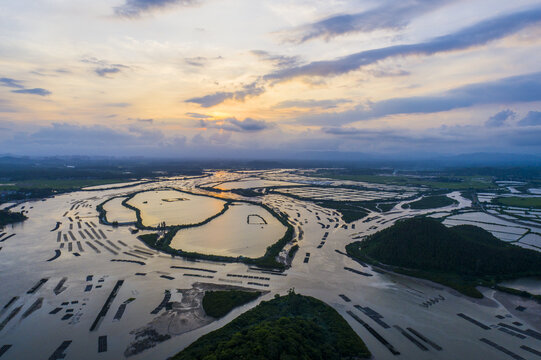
[
  {"x": 459, "y": 257},
  {"x": 288, "y": 327}
]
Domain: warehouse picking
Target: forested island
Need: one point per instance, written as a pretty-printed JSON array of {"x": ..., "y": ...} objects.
[
  {"x": 460, "y": 257},
  {"x": 287, "y": 327}
]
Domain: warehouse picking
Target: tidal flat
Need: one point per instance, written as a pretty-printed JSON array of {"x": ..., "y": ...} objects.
[{"x": 80, "y": 285}]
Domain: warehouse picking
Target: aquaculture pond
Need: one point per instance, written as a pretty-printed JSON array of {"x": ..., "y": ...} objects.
[
  {"x": 174, "y": 207},
  {"x": 244, "y": 229},
  {"x": 117, "y": 212}
]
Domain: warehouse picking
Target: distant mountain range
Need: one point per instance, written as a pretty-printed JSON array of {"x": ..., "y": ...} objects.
[{"x": 257, "y": 159}]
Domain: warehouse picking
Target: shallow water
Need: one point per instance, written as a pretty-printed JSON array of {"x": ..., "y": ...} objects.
[
  {"x": 115, "y": 211},
  {"x": 230, "y": 234},
  {"x": 253, "y": 183},
  {"x": 399, "y": 299},
  {"x": 532, "y": 284},
  {"x": 174, "y": 207},
  {"x": 112, "y": 186}
]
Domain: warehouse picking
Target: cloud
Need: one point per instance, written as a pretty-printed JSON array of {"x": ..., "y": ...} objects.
[
  {"x": 219, "y": 97},
  {"x": 50, "y": 72},
  {"x": 35, "y": 91},
  {"x": 390, "y": 15},
  {"x": 63, "y": 138},
  {"x": 135, "y": 8},
  {"x": 522, "y": 88},
  {"x": 201, "y": 61},
  {"x": 198, "y": 61},
  {"x": 532, "y": 119},
  {"x": 198, "y": 116},
  {"x": 279, "y": 60},
  {"x": 103, "y": 72},
  {"x": 249, "y": 124},
  {"x": 104, "y": 68},
  {"x": 147, "y": 121},
  {"x": 339, "y": 130},
  {"x": 119, "y": 104},
  {"x": 443, "y": 139},
  {"x": 500, "y": 118},
  {"x": 212, "y": 99},
  {"x": 6, "y": 107},
  {"x": 11, "y": 83},
  {"x": 388, "y": 73},
  {"x": 232, "y": 124},
  {"x": 310, "y": 103},
  {"x": 472, "y": 36}
]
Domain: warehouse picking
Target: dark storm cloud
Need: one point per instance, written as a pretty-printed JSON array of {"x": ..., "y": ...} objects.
[
  {"x": 523, "y": 88},
  {"x": 500, "y": 118},
  {"x": 532, "y": 119},
  {"x": 232, "y": 124},
  {"x": 389, "y": 15},
  {"x": 219, "y": 97},
  {"x": 135, "y": 8},
  {"x": 34, "y": 91},
  {"x": 472, "y": 36},
  {"x": 8, "y": 82}
]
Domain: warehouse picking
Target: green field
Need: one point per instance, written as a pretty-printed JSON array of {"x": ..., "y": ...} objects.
[
  {"x": 457, "y": 183},
  {"x": 431, "y": 202},
  {"x": 516, "y": 201},
  {"x": 60, "y": 184},
  {"x": 219, "y": 303},
  {"x": 288, "y": 327},
  {"x": 350, "y": 210}
]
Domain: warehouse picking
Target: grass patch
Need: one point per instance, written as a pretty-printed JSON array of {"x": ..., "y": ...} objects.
[
  {"x": 351, "y": 211},
  {"x": 431, "y": 202},
  {"x": 380, "y": 206},
  {"x": 291, "y": 253},
  {"x": 149, "y": 239},
  {"x": 9, "y": 217},
  {"x": 516, "y": 201},
  {"x": 219, "y": 303},
  {"x": 521, "y": 293},
  {"x": 288, "y": 327},
  {"x": 60, "y": 184}
]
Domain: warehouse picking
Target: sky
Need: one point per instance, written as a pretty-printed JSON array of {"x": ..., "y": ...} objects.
[{"x": 280, "y": 78}]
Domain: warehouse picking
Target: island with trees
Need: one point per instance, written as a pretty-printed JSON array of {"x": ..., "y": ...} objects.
[
  {"x": 460, "y": 257},
  {"x": 287, "y": 327}
]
